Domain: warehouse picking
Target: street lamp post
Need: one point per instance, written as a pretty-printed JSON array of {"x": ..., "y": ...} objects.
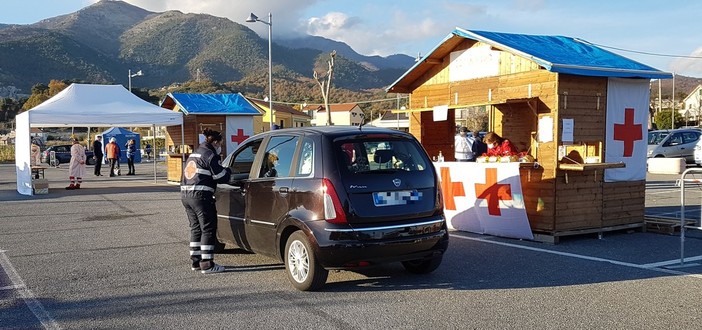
[
  {"x": 136, "y": 74},
  {"x": 253, "y": 18}
]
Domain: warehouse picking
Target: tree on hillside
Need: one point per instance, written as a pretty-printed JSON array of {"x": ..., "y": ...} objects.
[{"x": 41, "y": 93}]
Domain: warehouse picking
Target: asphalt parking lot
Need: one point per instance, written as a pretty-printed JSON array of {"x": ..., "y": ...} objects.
[{"x": 114, "y": 255}]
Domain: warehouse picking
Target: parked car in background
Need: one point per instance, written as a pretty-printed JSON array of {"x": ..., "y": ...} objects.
[
  {"x": 63, "y": 155},
  {"x": 698, "y": 153},
  {"x": 677, "y": 143},
  {"x": 339, "y": 197},
  {"x": 656, "y": 136}
]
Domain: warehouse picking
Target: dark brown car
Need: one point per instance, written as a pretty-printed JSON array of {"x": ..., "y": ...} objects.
[{"x": 340, "y": 197}]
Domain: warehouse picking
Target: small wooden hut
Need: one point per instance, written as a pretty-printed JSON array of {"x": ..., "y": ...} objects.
[
  {"x": 230, "y": 114},
  {"x": 573, "y": 106}
]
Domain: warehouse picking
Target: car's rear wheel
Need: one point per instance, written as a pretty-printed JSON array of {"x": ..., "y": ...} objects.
[
  {"x": 302, "y": 268},
  {"x": 423, "y": 266}
]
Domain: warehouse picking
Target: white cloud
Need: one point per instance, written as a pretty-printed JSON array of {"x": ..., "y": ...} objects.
[
  {"x": 689, "y": 65},
  {"x": 382, "y": 38},
  {"x": 286, "y": 13}
]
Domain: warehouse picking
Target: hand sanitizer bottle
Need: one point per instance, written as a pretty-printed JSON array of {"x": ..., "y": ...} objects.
[{"x": 441, "y": 157}]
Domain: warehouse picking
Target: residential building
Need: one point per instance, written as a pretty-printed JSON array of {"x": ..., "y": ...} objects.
[
  {"x": 341, "y": 114},
  {"x": 693, "y": 105},
  {"x": 284, "y": 116},
  {"x": 398, "y": 121}
]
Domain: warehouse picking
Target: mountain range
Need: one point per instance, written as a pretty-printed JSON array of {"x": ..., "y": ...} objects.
[{"x": 101, "y": 43}]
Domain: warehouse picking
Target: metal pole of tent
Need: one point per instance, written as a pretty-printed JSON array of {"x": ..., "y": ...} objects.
[
  {"x": 182, "y": 143},
  {"x": 153, "y": 148}
]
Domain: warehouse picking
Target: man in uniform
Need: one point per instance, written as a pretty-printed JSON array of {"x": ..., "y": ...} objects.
[{"x": 201, "y": 173}]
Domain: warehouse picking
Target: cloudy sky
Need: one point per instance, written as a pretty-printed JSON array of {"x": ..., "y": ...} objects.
[{"x": 662, "y": 34}]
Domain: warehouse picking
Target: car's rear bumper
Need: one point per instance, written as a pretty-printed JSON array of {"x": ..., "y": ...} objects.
[{"x": 377, "y": 245}]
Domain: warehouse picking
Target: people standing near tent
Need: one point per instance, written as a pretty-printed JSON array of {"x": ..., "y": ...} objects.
[
  {"x": 76, "y": 168},
  {"x": 35, "y": 158},
  {"x": 147, "y": 150},
  {"x": 201, "y": 174},
  {"x": 97, "y": 154},
  {"x": 112, "y": 151},
  {"x": 131, "y": 152}
]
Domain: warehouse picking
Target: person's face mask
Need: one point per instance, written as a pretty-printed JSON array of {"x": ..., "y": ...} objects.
[
  {"x": 218, "y": 147},
  {"x": 275, "y": 163},
  {"x": 491, "y": 145}
]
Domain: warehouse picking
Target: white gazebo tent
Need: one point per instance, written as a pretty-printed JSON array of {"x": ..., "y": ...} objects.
[{"x": 83, "y": 105}]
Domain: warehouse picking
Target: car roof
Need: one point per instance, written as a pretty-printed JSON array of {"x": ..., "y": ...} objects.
[
  {"x": 685, "y": 130},
  {"x": 335, "y": 131}
]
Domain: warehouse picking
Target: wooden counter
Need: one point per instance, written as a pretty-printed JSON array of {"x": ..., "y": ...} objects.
[{"x": 175, "y": 166}]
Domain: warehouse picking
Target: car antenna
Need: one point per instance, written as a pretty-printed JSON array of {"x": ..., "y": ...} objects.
[{"x": 363, "y": 121}]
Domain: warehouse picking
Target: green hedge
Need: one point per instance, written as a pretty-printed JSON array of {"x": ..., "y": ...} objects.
[{"x": 7, "y": 153}]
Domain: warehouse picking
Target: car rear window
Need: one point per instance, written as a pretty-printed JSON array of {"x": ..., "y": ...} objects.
[{"x": 380, "y": 155}]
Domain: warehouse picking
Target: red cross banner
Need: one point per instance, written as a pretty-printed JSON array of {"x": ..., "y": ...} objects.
[
  {"x": 484, "y": 198},
  {"x": 627, "y": 121},
  {"x": 239, "y": 128}
]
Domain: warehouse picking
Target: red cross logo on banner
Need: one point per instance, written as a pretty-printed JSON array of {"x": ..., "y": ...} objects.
[
  {"x": 492, "y": 191},
  {"x": 239, "y": 137},
  {"x": 628, "y": 132},
  {"x": 450, "y": 189}
]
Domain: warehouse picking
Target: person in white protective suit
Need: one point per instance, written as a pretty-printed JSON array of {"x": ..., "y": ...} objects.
[{"x": 76, "y": 168}]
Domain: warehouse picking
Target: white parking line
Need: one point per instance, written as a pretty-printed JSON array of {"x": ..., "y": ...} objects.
[
  {"x": 34, "y": 305},
  {"x": 671, "y": 262},
  {"x": 573, "y": 255}
]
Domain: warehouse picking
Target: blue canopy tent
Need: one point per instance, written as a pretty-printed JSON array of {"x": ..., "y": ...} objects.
[{"x": 122, "y": 136}]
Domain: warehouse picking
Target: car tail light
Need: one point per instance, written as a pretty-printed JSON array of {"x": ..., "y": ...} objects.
[{"x": 333, "y": 212}]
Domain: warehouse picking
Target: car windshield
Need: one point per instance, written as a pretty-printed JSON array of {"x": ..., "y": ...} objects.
[
  {"x": 655, "y": 138},
  {"x": 380, "y": 156}
]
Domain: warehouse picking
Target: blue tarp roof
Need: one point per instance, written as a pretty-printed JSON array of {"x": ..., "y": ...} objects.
[
  {"x": 213, "y": 104},
  {"x": 554, "y": 53},
  {"x": 566, "y": 55}
]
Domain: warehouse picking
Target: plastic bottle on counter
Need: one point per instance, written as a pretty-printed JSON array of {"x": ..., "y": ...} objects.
[{"x": 441, "y": 157}]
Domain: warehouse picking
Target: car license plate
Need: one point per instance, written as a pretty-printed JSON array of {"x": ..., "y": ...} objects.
[{"x": 389, "y": 198}]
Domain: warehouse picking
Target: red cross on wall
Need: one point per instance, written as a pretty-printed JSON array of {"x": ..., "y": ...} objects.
[
  {"x": 239, "y": 137},
  {"x": 450, "y": 189},
  {"x": 628, "y": 132},
  {"x": 492, "y": 191}
]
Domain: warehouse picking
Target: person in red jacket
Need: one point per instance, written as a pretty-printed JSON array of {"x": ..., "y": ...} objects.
[
  {"x": 498, "y": 146},
  {"x": 112, "y": 151}
]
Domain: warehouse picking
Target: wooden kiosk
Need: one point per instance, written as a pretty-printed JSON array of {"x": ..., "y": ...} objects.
[
  {"x": 230, "y": 114},
  {"x": 539, "y": 91}
]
